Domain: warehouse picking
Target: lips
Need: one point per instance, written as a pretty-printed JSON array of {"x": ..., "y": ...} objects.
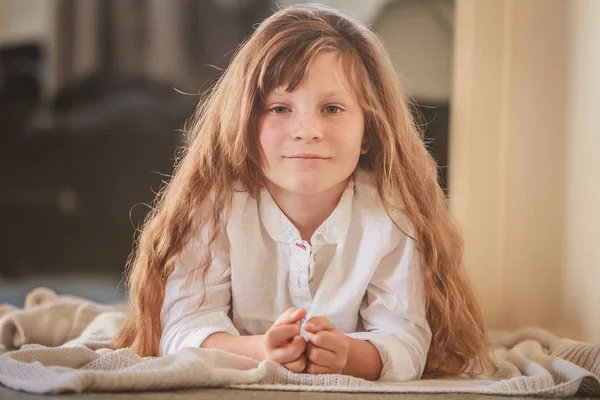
[{"x": 307, "y": 157}]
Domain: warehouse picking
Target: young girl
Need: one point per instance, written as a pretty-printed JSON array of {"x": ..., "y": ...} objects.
[{"x": 305, "y": 224}]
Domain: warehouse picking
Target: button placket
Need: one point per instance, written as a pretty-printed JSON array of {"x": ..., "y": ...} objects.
[
  {"x": 301, "y": 253},
  {"x": 316, "y": 240},
  {"x": 311, "y": 266},
  {"x": 299, "y": 267}
]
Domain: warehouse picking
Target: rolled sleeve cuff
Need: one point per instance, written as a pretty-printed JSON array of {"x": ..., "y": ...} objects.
[
  {"x": 193, "y": 333},
  {"x": 398, "y": 363}
]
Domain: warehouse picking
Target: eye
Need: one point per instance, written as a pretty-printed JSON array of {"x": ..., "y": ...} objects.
[
  {"x": 333, "y": 110},
  {"x": 278, "y": 110}
]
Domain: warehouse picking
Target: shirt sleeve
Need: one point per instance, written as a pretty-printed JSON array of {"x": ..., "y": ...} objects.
[
  {"x": 393, "y": 313},
  {"x": 186, "y": 320}
]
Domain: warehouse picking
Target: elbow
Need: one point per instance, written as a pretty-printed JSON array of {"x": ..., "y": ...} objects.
[{"x": 404, "y": 360}]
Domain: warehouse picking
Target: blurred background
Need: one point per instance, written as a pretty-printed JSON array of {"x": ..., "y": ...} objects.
[{"x": 94, "y": 95}]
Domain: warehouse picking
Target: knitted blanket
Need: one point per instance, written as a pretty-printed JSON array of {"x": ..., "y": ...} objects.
[{"x": 59, "y": 344}]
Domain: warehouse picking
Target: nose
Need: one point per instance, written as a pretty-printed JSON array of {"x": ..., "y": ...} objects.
[{"x": 308, "y": 128}]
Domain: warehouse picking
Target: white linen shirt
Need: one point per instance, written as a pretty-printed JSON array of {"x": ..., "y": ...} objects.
[{"x": 359, "y": 270}]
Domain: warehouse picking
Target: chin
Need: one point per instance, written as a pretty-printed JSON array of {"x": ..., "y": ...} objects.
[{"x": 309, "y": 184}]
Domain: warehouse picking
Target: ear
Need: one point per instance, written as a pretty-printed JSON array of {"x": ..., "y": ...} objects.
[{"x": 364, "y": 148}]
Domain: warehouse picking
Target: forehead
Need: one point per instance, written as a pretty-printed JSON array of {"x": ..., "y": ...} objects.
[{"x": 326, "y": 71}]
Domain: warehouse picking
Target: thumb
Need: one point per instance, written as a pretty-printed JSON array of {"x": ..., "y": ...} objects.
[{"x": 291, "y": 316}]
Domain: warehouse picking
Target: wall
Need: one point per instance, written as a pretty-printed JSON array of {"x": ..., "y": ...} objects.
[
  {"x": 581, "y": 305},
  {"x": 522, "y": 174},
  {"x": 24, "y": 20}
]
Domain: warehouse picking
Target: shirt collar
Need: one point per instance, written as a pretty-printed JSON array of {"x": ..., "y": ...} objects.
[{"x": 279, "y": 227}]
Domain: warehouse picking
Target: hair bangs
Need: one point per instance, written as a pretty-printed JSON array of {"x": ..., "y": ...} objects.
[{"x": 288, "y": 63}]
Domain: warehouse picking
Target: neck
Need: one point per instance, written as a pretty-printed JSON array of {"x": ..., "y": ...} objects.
[{"x": 307, "y": 212}]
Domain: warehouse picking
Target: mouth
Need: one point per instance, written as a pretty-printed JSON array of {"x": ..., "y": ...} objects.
[{"x": 306, "y": 157}]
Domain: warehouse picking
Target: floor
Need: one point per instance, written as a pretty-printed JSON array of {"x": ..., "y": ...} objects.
[
  {"x": 219, "y": 394},
  {"x": 101, "y": 288}
]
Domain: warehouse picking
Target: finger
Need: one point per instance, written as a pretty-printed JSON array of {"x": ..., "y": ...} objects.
[
  {"x": 299, "y": 365},
  {"x": 320, "y": 356},
  {"x": 289, "y": 352},
  {"x": 313, "y": 368},
  {"x": 298, "y": 346},
  {"x": 278, "y": 336},
  {"x": 316, "y": 324},
  {"x": 325, "y": 340},
  {"x": 291, "y": 316}
]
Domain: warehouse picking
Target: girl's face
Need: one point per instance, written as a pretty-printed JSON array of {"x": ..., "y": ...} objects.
[{"x": 312, "y": 136}]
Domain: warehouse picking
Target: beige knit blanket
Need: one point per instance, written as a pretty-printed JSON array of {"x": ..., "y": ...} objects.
[{"x": 62, "y": 347}]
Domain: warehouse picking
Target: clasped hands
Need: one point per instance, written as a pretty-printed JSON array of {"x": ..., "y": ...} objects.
[{"x": 324, "y": 352}]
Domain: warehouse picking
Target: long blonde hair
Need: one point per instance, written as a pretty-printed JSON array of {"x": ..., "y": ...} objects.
[{"x": 223, "y": 148}]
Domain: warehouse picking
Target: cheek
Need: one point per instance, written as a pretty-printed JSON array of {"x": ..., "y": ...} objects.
[
  {"x": 349, "y": 138},
  {"x": 270, "y": 137}
]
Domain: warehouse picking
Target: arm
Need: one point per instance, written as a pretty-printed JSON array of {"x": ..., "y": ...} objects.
[
  {"x": 282, "y": 343},
  {"x": 248, "y": 346},
  {"x": 395, "y": 344},
  {"x": 190, "y": 322},
  {"x": 186, "y": 321},
  {"x": 363, "y": 360},
  {"x": 393, "y": 315}
]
